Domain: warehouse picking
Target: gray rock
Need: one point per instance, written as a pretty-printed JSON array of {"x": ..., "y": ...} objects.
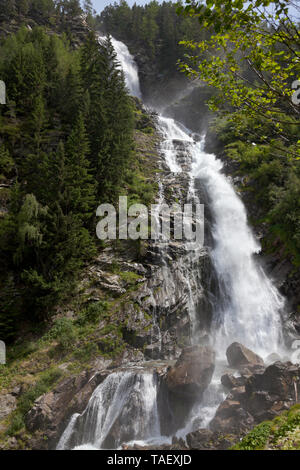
[
  {"x": 8, "y": 404},
  {"x": 239, "y": 356}
]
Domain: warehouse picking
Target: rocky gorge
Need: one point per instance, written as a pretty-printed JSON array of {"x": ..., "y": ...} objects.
[{"x": 160, "y": 355}]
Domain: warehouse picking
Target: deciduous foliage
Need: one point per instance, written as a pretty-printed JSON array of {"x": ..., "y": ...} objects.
[{"x": 252, "y": 59}]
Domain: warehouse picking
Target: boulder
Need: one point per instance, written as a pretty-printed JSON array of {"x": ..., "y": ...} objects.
[
  {"x": 192, "y": 372},
  {"x": 229, "y": 381},
  {"x": 280, "y": 380},
  {"x": 231, "y": 417},
  {"x": 265, "y": 395},
  {"x": 239, "y": 356},
  {"x": 8, "y": 404}
]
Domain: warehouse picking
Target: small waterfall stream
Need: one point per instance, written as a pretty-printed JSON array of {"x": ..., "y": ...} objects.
[{"x": 247, "y": 308}]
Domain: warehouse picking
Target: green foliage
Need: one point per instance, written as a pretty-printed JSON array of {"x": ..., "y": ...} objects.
[
  {"x": 26, "y": 400},
  {"x": 252, "y": 60},
  {"x": 280, "y": 434},
  {"x": 92, "y": 313},
  {"x": 67, "y": 133},
  {"x": 6, "y": 164},
  {"x": 64, "y": 332},
  {"x": 255, "y": 439},
  {"x": 130, "y": 277}
]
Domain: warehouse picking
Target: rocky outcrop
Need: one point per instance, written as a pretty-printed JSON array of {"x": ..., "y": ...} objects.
[
  {"x": 230, "y": 382},
  {"x": 51, "y": 412},
  {"x": 263, "y": 396},
  {"x": 8, "y": 404},
  {"x": 239, "y": 356},
  {"x": 205, "y": 439},
  {"x": 192, "y": 373}
]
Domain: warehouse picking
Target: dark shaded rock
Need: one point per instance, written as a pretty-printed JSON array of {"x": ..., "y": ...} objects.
[
  {"x": 205, "y": 439},
  {"x": 229, "y": 381},
  {"x": 231, "y": 417},
  {"x": 182, "y": 385},
  {"x": 266, "y": 394},
  {"x": 279, "y": 379},
  {"x": 152, "y": 351},
  {"x": 239, "y": 356},
  {"x": 192, "y": 373}
]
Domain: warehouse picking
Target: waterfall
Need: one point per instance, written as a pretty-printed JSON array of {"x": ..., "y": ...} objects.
[
  {"x": 128, "y": 66},
  {"x": 249, "y": 305},
  {"x": 124, "y": 408}
]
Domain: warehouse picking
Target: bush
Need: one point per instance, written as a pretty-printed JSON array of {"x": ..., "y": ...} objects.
[
  {"x": 256, "y": 439},
  {"x": 92, "y": 313},
  {"x": 64, "y": 332}
]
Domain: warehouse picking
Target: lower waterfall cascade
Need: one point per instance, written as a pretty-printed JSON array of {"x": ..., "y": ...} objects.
[{"x": 247, "y": 307}]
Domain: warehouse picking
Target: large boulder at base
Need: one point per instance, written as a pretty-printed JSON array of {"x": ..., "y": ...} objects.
[
  {"x": 238, "y": 356},
  {"x": 192, "y": 373}
]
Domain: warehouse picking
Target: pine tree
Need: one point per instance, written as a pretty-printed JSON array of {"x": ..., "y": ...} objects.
[{"x": 79, "y": 192}]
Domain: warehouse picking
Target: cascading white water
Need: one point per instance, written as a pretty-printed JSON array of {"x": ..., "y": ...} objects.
[
  {"x": 128, "y": 65},
  {"x": 249, "y": 305},
  {"x": 124, "y": 407}
]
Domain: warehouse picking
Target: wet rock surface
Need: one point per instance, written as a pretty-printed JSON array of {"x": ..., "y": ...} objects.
[
  {"x": 239, "y": 356},
  {"x": 52, "y": 411},
  {"x": 192, "y": 373}
]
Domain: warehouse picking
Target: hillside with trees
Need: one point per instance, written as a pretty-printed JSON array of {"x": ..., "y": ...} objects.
[{"x": 66, "y": 141}]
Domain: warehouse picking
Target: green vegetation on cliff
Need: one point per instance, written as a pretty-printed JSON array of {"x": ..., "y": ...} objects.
[
  {"x": 283, "y": 433},
  {"x": 66, "y": 144}
]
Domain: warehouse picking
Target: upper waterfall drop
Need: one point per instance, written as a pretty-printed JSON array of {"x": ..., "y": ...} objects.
[{"x": 128, "y": 65}]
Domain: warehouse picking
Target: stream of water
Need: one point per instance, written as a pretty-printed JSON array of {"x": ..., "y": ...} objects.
[{"x": 247, "y": 309}]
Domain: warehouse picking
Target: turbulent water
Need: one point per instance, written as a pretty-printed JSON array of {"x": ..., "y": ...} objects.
[
  {"x": 108, "y": 419},
  {"x": 246, "y": 308}
]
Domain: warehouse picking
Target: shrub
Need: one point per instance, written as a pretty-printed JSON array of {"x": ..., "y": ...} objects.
[
  {"x": 92, "y": 313},
  {"x": 64, "y": 332}
]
